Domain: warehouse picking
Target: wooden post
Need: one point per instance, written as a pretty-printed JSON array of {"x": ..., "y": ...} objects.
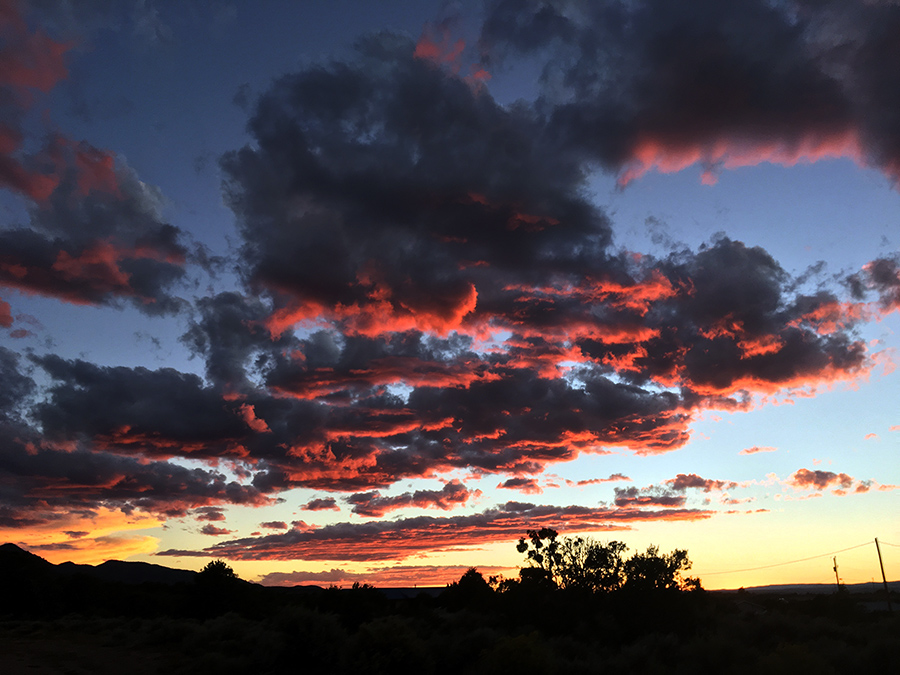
[{"x": 887, "y": 591}]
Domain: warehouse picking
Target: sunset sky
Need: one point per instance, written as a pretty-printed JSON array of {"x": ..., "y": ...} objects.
[{"x": 353, "y": 291}]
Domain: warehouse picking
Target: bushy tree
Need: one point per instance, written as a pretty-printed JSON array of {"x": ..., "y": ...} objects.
[
  {"x": 655, "y": 571},
  {"x": 217, "y": 571},
  {"x": 542, "y": 551},
  {"x": 578, "y": 563},
  {"x": 591, "y": 566}
]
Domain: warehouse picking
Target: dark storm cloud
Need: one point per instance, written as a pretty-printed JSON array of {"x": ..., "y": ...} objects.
[
  {"x": 387, "y": 540},
  {"x": 38, "y": 480},
  {"x": 156, "y": 412},
  {"x": 379, "y": 188},
  {"x": 736, "y": 326},
  {"x": 460, "y": 302},
  {"x": 330, "y": 364},
  {"x": 400, "y": 209},
  {"x": 654, "y": 85}
]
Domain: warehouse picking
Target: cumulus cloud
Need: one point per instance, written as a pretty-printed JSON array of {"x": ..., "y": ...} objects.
[
  {"x": 641, "y": 86},
  {"x": 459, "y": 300}
]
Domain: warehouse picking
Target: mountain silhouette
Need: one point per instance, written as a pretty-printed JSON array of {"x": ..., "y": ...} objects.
[{"x": 17, "y": 563}]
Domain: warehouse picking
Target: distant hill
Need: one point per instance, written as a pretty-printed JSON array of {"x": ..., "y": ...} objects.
[
  {"x": 819, "y": 589},
  {"x": 16, "y": 562}
]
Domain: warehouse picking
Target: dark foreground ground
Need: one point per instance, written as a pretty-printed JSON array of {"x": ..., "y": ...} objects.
[
  {"x": 359, "y": 631},
  {"x": 75, "y": 622}
]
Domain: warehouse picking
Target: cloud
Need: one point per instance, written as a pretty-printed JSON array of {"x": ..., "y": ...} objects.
[
  {"x": 210, "y": 513},
  {"x": 372, "y": 504},
  {"x": 41, "y": 483},
  {"x": 595, "y": 481},
  {"x": 682, "y": 482},
  {"x": 641, "y": 87},
  {"x": 460, "y": 303},
  {"x": 805, "y": 479},
  {"x": 327, "y": 504},
  {"x": 524, "y": 485},
  {"x": 97, "y": 242},
  {"x": 79, "y": 535},
  {"x": 652, "y": 496},
  {"x": 671, "y": 493},
  {"x": 95, "y": 234},
  {"x": 17, "y": 386},
  {"x": 403, "y": 576},
  {"x": 214, "y": 531},
  {"x": 6, "y": 319},
  {"x": 399, "y": 539},
  {"x": 95, "y": 550},
  {"x": 756, "y": 449},
  {"x": 274, "y": 525}
]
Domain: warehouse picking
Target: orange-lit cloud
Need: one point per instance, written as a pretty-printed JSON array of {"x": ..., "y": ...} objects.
[
  {"x": 28, "y": 60},
  {"x": 399, "y": 539},
  {"x": 669, "y": 155},
  {"x": 616, "y": 477},
  {"x": 819, "y": 480},
  {"x": 395, "y": 576},
  {"x": 88, "y": 537},
  {"x": 756, "y": 449},
  {"x": 6, "y": 319}
]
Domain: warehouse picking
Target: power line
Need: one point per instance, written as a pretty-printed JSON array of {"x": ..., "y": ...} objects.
[
  {"x": 789, "y": 562},
  {"x": 887, "y": 543}
]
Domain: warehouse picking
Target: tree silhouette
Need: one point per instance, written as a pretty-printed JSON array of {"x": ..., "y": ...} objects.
[
  {"x": 588, "y": 565},
  {"x": 655, "y": 571},
  {"x": 542, "y": 551},
  {"x": 578, "y": 563},
  {"x": 217, "y": 571}
]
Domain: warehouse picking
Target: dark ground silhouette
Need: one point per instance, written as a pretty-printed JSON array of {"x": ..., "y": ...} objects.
[{"x": 76, "y": 619}]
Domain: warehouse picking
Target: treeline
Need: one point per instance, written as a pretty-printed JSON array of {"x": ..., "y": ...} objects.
[{"x": 577, "y": 606}]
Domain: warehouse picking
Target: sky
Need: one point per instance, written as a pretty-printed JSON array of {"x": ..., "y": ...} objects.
[{"x": 350, "y": 291}]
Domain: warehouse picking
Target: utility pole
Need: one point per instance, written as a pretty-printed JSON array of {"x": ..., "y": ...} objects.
[
  {"x": 887, "y": 591},
  {"x": 836, "y": 577}
]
